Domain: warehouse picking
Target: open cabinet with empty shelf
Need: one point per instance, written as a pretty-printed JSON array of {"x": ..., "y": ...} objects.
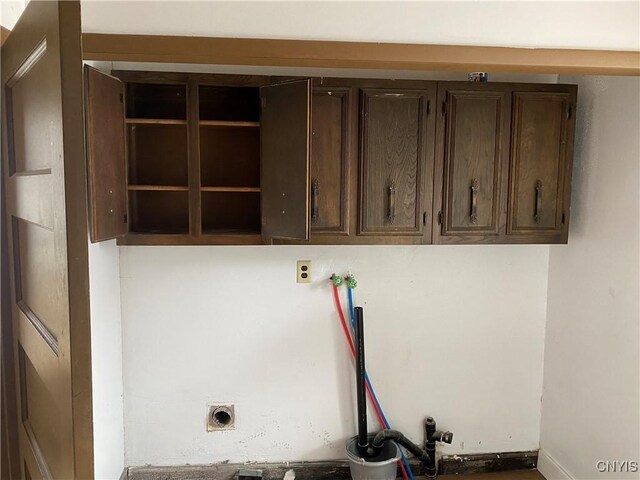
[
  {"x": 195, "y": 163},
  {"x": 157, "y": 158},
  {"x": 157, "y": 155},
  {"x": 229, "y": 143}
]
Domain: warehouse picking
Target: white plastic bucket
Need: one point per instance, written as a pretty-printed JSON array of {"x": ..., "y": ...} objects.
[{"x": 383, "y": 466}]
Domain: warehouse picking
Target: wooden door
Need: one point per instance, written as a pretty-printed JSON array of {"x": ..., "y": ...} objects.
[
  {"x": 472, "y": 157},
  {"x": 285, "y": 138},
  {"x": 393, "y": 163},
  {"x": 45, "y": 185},
  {"x": 107, "y": 175},
  {"x": 330, "y": 160},
  {"x": 541, "y": 152}
]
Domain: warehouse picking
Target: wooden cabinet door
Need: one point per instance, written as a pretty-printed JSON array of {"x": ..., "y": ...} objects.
[
  {"x": 330, "y": 160},
  {"x": 471, "y": 164},
  {"x": 393, "y": 160},
  {"x": 540, "y": 163},
  {"x": 106, "y": 170},
  {"x": 46, "y": 201},
  {"x": 285, "y": 138}
]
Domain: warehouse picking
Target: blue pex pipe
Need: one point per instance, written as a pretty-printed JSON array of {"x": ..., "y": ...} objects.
[{"x": 373, "y": 392}]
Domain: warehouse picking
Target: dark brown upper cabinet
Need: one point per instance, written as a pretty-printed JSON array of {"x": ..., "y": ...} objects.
[
  {"x": 197, "y": 159},
  {"x": 188, "y": 159},
  {"x": 541, "y": 158},
  {"x": 330, "y": 160},
  {"x": 471, "y": 163},
  {"x": 503, "y": 163},
  {"x": 395, "y": 163}
]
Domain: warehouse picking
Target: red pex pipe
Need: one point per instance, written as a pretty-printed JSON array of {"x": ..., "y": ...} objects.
[{"x": 347, "y": 334}]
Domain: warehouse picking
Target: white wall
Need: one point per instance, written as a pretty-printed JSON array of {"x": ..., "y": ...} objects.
[
  {"x": 579, "y": 24},
  {"x": 106, "y": 359},
  {"x": 453, "y": 332},
  {"x": 10, "y": 11},
  {"x": 591, "y": 400}
]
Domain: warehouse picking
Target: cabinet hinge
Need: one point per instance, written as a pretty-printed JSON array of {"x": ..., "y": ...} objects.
[
  {"x": 263, "y": 102},
  {"x": 569, "y": 108},
  {"x": 424, "y": 218},
  {"x": 444, "y": 108},
  {"x": 428, "y": 107},
  {"x": 440, "y": 218},
  {"x": 563, "y": 218},
  {"x": 121, "y": 98},
  {"x": 124, "y": 218}
]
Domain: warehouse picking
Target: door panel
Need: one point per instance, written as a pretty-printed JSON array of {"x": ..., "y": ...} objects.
[
  {"x": 393, "y": 162},
  {"x": 36, "y": 290},
  {"x": 33, "y": 127},
  {"x": 330, "y": 160},
  {"x": 106, "y": 166},
  {"x": 39, "y": 419},
  {"x": 475, "y": 157},
  {"x": 538, "y": 160},
  {"x": 45, "y": 188},
  {"x": 285, "y": 139}
]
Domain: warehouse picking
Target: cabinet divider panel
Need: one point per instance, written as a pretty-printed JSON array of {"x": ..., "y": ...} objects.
[{"x": 193, "y": 118}]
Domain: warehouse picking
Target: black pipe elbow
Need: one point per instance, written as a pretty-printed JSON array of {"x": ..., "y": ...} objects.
[
  {"x": 444, "y": 437},
  {"x": 396, "y": 436}
]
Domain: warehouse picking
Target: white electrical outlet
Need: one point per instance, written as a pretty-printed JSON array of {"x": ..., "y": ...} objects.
[{"x": 303, "y": 271}]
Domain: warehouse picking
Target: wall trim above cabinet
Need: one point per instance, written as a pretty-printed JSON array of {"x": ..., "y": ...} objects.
[{"x": 366, "y": 55}]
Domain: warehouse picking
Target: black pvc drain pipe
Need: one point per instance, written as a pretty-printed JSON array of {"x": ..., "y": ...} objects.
[{"x": 361, "y": 394}]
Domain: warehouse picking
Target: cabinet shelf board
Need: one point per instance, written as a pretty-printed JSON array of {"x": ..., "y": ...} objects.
[
  {"x": 212, "y": 237},
  {"x": 158, "y": 188},
  {"x": 231, "y": 189},
  {"x": 154, "y": 121},
  {"x": 225, "y": 123}
]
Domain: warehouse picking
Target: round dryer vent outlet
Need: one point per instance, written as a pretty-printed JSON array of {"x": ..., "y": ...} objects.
[{"x": 221, "y": 417}]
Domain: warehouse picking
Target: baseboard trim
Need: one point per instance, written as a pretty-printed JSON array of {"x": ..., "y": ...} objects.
[
  {"x": 336, "y": 469},
  {"x": 550, "y": 468},
  {"x": 488, "y": 462}
]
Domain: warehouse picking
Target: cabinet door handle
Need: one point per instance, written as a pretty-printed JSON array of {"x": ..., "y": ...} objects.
[
  {"x": 473, "y": 215},
  {"x": 315, "y": 191},
  {"x": 537, "y": 217},
  {"x": 391, "y": 211}
]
